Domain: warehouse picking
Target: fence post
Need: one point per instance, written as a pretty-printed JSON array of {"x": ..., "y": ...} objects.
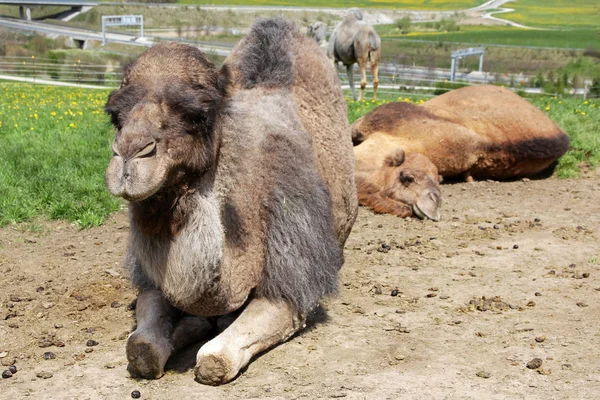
[{"x": 33, "y": 61}]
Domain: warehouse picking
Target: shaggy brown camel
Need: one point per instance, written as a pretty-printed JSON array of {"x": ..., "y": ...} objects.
[
  {"x": 241, "y": 190},
  {"x": 352, "y": 42},
  {"x": 476, "y": 132}
]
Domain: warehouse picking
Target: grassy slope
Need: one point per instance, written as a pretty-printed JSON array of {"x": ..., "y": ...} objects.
[
  {"x": 403, "y": 4},
  {"x": 59, "y": 145},
  {"x": 555, "y": 13},
  {"x": 571, "y": 38}
]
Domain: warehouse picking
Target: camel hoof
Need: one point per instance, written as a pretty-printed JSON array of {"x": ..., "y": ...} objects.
[
  {"x": 213, "y": 369},
  {"x": 146, "y": 360}
]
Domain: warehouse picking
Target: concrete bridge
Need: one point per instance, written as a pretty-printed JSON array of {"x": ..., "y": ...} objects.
[{"x": 25, "y": 11}]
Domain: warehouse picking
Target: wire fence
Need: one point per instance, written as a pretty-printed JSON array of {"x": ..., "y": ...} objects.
[
  {"x": 40, "y": 69},
  {"x": 393, "y": 77}
]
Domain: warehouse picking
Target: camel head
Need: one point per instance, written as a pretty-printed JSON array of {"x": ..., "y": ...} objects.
[
  {"x": 407, "y": 184},
  {"x": 164, "y": 114},
  {"x": 317, "y": 31}
]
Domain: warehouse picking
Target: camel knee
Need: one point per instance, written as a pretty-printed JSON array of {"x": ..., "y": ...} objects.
[{"x": 363, "y": 85}]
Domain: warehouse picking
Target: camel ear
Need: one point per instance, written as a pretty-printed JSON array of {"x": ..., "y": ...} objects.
[{"x": 395, "y": 159}]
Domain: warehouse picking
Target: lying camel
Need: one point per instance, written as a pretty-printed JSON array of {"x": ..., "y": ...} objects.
[
  {"x": 352, "y": 41},
  {"x": 477, "y": 132},
  {"x": 241, "y": 195}
]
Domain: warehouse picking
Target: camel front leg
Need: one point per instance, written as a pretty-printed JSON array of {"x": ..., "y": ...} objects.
[
  {"x": 161, "y": 330},
  {"x": 363, "y": 78},
  {"x": 350, "y": 72},
  {"x": 261, "y": 325}
]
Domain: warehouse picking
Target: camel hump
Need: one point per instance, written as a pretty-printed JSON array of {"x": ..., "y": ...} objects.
[{"x": 266, "y": 59}]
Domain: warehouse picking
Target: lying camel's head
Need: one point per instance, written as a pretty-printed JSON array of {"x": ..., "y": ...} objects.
[
  {"x": 164, "y": 113},
  {"x": 406, "y": 184}
]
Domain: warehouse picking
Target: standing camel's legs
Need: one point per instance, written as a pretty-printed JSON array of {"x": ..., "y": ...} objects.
[
  {"x": 363, "y": 80},
  {"x": 261, "y": 325},
  {"x": 375, "y": 71},
  {"x": 160, "y": 331},
  {"x": 350, "y": 72}
]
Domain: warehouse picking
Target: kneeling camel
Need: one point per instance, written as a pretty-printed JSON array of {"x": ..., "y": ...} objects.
[{"x": 241, "y": 195}]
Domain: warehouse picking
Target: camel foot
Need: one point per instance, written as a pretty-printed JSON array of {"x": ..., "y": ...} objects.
[
  {"x": 146, "y": 359},
  {"x": 261, "y": 325},
  {"x": 214, "y": 369}
]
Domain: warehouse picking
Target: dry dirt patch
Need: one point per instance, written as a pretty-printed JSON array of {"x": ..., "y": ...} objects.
[{"x": 454, "y": 309}]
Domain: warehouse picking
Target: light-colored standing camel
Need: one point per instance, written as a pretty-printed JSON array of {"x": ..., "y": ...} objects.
[
  {"x": 353, "y": 41},
  {"x": 318, "y": 31}
]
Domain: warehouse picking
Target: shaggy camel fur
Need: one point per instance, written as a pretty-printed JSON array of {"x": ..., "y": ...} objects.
[
  {"x": 353, "y": 41},
  {"x": 476, "y": 132},
  {"x": 241, "y": 191}
]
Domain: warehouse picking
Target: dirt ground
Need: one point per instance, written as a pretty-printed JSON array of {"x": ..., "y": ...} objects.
[{"x": 454, "y": 309}]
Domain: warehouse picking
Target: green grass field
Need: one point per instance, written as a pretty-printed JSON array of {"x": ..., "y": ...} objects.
[
  {"x": 580, "y": 38},
  {"x": 58, "y": 145},
  {"x": 555, "y": 13},
  {"x": 402, "y": 5}
]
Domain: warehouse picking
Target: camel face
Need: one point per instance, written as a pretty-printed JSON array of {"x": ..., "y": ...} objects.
[
  {"x": 406, "y": 185},
  {"x": 163, "y": 118},
  {"x": 318, "y": 31}
]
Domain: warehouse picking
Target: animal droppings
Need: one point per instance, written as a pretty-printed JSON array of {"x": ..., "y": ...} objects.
[
  {"x": 6, "y": 374},
  {"x": 516, "y": 246},
  {"x": 535, "y": 363},
  {"x": 136, "y": 394},
  {"x": 44, "y": 375},
  {"x": 49, "y": 355},
  {"x": 12, "y": 369},
  {"x": 540, "y": 339},
  {"x": 394, "y": 293},
  {"x": 91, "y": 343}
]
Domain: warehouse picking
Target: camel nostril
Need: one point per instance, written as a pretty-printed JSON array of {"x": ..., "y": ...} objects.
[{"x": 434, "y": 197}]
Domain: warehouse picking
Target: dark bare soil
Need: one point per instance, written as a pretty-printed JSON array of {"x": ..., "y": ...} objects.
[{"x": 456, "y": 309}]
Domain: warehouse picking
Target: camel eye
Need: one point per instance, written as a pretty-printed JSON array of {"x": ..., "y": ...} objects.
[{"x": 406, "y": 177}]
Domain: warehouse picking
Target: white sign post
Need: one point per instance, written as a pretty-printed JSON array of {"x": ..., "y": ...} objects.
[{"x": 121, "y": 20}]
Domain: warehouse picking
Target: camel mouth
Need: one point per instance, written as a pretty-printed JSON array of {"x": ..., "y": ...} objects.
[{"x": 425, "y": 215}]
